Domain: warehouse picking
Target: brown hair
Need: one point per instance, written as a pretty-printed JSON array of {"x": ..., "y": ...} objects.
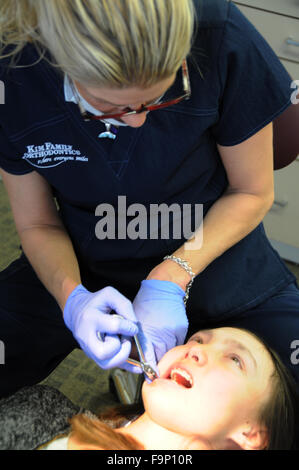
[
  {"x": 100, "y": 432},
  {"x": 280, "y": 414}
]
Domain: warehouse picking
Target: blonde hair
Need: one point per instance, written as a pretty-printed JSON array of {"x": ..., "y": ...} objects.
[{"x": 115, "y": 43}]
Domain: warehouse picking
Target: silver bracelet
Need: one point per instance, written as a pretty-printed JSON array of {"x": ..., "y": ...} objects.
[{"x": 184, "y": 264}]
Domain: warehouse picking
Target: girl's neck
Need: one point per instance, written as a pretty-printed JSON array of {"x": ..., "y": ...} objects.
[{"x": 152, "y": 436}]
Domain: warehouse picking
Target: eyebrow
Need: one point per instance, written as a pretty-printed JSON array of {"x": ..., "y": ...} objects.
[{"x": 241, "y": 347}]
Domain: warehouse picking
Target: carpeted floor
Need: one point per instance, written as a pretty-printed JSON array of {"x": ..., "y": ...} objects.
[{"x": 78, "y": 377}]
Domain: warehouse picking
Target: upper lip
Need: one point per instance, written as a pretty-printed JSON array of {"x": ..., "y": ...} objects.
[{"x": 178, "y": 365}]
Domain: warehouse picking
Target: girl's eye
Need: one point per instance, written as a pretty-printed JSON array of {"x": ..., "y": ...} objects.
[
  {"x": 198, "y": 339},
  {"x": 237, "y": 360}
]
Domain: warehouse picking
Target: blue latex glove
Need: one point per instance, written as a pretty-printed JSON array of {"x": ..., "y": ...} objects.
[
  {"x": 159, "y": 307},
  {"x": 86, "y": 314}
]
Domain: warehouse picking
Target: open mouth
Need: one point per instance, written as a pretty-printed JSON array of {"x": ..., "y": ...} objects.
[{"x": 181, "y": 377}]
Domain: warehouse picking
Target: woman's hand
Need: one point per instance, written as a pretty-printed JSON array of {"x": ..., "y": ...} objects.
[
  {"x": 103, "y": 337},
  {"x": 161, "y": 313}
]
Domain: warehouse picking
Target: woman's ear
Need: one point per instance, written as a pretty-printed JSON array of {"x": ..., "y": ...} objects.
[{"x": 253, "y": 437}]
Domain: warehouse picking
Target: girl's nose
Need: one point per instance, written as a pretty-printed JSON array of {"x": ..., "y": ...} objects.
[{"x": 198, "y": 354}]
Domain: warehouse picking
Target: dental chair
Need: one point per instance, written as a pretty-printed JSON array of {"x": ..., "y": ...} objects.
[
  {"x": 127, "y": 386},
  {"x": 286, "y": 137}
]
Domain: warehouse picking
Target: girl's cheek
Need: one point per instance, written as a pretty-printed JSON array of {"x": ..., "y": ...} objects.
[
  {"x": 165, "y": 362},
  {"x": 173, "y": 355}
]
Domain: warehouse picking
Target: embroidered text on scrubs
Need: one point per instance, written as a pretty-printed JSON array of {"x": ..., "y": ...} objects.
[
  {"x": 49, "y": 155},
  {"x": 121, "y": 222}
]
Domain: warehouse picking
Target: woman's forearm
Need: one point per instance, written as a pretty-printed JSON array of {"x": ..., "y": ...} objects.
[
  {"x": 230, "y": 219},
  {"x": 51, "y": 254}
]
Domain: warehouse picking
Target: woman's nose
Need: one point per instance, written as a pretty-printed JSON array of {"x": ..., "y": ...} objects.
[
  {"x": 135, "y": 120},
  {"x": 198, "y": 354}
]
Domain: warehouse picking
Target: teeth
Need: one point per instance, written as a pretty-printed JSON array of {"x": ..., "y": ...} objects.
[{"x": 182, "y": 373}]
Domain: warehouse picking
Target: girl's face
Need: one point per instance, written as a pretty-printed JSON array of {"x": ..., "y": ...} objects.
[{"x": 211, "y": 385}]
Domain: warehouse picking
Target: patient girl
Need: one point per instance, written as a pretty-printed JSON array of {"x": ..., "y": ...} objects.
[{"x": 223, "y": 389}]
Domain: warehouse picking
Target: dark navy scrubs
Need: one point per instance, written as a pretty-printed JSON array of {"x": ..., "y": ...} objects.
[{"x": 238, "y": 87}]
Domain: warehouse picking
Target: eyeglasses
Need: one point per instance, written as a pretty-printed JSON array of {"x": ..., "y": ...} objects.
[{"x": 87, "y": 116}]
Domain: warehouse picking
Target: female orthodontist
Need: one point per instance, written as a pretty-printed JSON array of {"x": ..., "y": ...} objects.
[{"x": 150, "y": 102}]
